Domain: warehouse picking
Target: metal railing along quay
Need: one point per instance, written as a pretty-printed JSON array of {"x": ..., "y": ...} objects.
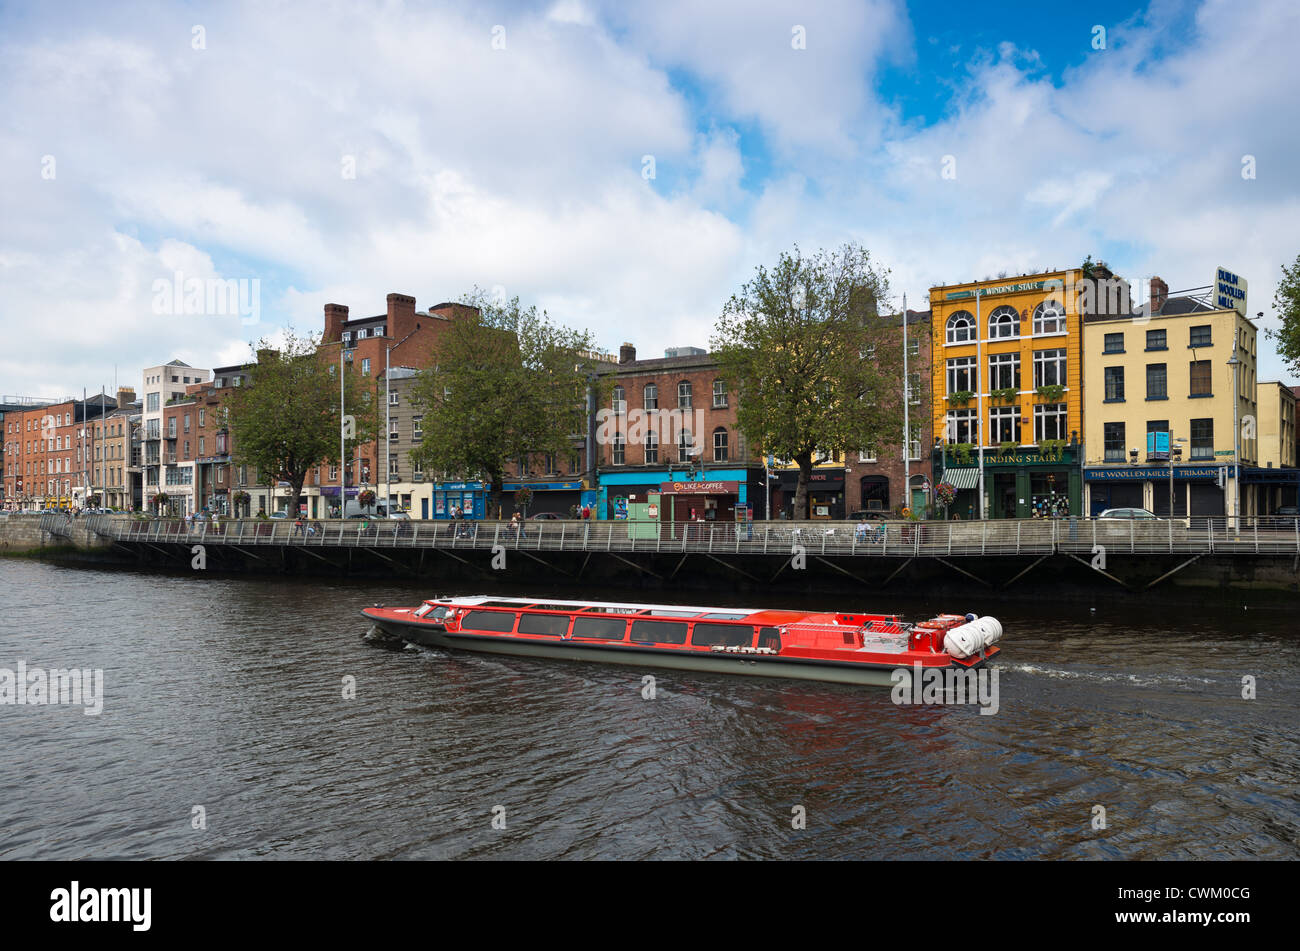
[{"x": 894, "y": 539}]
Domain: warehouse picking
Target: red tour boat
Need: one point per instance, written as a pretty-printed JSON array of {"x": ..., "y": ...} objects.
[{"x": 845, "y": 648}]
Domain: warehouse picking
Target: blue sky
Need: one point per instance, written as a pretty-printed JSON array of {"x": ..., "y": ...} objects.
[{"x": 506, "y": 149}]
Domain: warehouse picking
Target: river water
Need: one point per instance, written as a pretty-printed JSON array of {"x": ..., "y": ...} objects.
[{"x": 224, "y": 708}]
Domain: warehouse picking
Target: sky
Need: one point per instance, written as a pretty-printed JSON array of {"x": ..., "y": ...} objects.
[{"x": 622, "y": 166}]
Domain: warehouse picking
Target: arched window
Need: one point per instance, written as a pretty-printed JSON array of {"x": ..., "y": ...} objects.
[
  {"x": 1049, "y": 318},
  {"x": 1004, "y": 322},
  {"x": 961, "y": 327},
  {"x": 720, "y": 444},
  {"x": 651, "y": 394}
]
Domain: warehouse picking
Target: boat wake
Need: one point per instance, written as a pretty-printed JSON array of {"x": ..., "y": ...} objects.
[{"x": 1097, "y": 676}]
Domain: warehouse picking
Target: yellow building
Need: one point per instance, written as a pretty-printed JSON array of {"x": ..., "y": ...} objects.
[
  {"x": 1277, "y": 482},
  {"x": 1007, "y": 378},
  {"x": 1150, "y": 378}
]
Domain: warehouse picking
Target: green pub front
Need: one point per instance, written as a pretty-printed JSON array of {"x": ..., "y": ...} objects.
[{"x": 1026, "y": 482}]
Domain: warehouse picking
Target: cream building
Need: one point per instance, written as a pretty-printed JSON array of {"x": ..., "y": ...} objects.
[{"x": 1170, "y": 375}]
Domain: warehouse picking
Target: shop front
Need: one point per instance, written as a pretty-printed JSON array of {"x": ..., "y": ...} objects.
[
  {"x": 469, "y": 497},
  {"x": 711, "y": 496},
  {"x": 558, "y": 498},
  {"x": 825, "y": 493},
  {"x": 1020, "y": 483},
  {"x": 1197, "y": 490}
]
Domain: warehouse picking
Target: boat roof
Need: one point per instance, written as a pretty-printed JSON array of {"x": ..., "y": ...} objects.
[{"x": 629, "y": 607}]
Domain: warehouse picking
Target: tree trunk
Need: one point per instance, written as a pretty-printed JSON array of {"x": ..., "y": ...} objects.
[
  {"x": 801, "y": 492},
  {"x": 494, "y": 496}
]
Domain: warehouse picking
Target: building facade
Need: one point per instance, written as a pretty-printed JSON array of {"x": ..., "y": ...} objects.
[
  {"x": 1007, "y": 404},
  {"x": 1163, "y": 384}
]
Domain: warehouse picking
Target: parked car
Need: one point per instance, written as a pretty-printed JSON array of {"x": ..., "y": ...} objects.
[
  {"x": 545, "y": 515},
  {"x": 1126, "y": 513},
  {"x": 1288, "y": 511}
]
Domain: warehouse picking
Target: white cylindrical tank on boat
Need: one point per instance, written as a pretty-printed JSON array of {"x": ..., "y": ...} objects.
[{"x": 972, "y": 637}]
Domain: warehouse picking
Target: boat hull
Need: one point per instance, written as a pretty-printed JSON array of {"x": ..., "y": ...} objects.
[{"x": 434, "y": 635}]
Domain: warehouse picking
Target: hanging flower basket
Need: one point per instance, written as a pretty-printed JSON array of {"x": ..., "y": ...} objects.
[
  {"x": 945, "y": 492},
  {"x": 366, "y": 498}
]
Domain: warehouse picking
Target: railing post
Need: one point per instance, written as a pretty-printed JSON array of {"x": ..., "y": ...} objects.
[
  {"x": 1171, "y": 527},
  {"x": 1132, "y": 535},
  {"x": 984, "y": 537},
  {"x": 1019, "y": 525},
  {"x": 1257, "y": 536}
]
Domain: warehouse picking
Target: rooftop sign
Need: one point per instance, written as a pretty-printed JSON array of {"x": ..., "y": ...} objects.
[{"x": 1229, "y": 291}]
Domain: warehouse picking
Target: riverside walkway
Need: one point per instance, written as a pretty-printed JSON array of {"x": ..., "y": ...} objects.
[{"x": 874, "y": 539}]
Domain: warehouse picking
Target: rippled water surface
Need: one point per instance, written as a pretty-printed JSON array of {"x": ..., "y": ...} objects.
[{"x": 228, "y": 694}]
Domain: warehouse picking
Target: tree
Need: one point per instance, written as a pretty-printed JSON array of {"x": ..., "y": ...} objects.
[
  {"x": 508, "y": 383},
  {"x": 1286, "y": 301},
  {"x": 286, "y": 422},
  {"x": 816, "y": 367}
]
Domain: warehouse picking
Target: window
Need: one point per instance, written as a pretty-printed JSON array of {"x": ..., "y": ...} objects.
[
  {"x": 914, "y": 388},
  {"x": 651, "y": 396},
  {"x": 365, "y": 366},
  {"x": 617, "y": 450},
  {"x": 1199, "y": 336},
  {"x": 1202, "y": 438},
  {"x": 913, "y": 347},
  {"x": 1113, "y": 436},
  {"x": 961, "y": 375},
  {"x": 961, "y": 327},
  {"x": 1200, "y": 378},
  {"x": 685, "y": 446},
  {"x": 719, "y": 394},
  {"x": 607, "y": 628},
  {"x": 394, "y": 463},
  {"x": 202, "y": 451},
  {"x": 550, "y": 463},
  {"x": 1049, "y": 368},
  {"x": 867, "y": 455},
  {"x": 962, "y": 425},
  {"x": 202, "y": 422},
  {"x": 1157, "y": 426},
  {"x": 392, "y": 397},
  {"x": 868, "y": 354},
  {"x": 1004, "y": 371},
  {"x": 1004, "y": 424},
  {"x": 171, "y": 427},
  {"x": 684, "y": 394},
  {"x": 392, "y": 429},
  {"x": 151, "y": 402},
  {"x": 1049, "y": 421},
  {"x": 651, "y": 450},
  {"x": 659, "y": 632},
  {"x": 1157, "y": 388},
  {"x": 417, "y": 428},
  {"x": 554, "y": 625},
  {"x": 1049, "y": 318},
  {"x": 1004, "y": 322},
  {"x": 620, "y": 402},
  {"x": 1156, "y": 340},
  {"x": 1114, "y": 384},
  {"x": 187, "y": 422},
  {"x": 725, "y": 635},
  {"x": 720, "y": 445},
  {"x": 1114, "y": 343}
]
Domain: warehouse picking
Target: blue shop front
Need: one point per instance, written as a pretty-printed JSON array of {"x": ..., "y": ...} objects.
[
  {"x": 471, "y": 497},
  {"x": 714, "y": 495}
]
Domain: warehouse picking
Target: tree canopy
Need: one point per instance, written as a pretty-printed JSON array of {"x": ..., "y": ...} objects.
[
  {"x": 508, "y": 383},
  {"x": 1286, "y": 301},
  {"x": 287, "y": 420},
  {"x": 817, "y": 366}
]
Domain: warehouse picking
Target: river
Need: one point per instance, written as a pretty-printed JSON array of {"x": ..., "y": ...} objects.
[{"x": 225, "y": 733}]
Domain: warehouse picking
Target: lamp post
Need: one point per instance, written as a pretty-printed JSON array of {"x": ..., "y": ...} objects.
[{"x": 1236, "y": 434}]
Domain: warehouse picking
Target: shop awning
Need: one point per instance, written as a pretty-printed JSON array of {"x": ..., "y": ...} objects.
[{"x": 962, "y": 478}]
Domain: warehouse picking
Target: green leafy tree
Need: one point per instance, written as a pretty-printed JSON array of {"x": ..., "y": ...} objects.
[
  {"x": 287, "y": 421},
  {"x": 817, "y": 368},
  {"x": 508, "y": 383},
  {"x": 1286, "y": 301}
]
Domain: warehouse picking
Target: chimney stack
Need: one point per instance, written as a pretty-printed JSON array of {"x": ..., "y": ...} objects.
[
  {"x": 626, "y": 353},
  {"x": 125, "y": 396},
  {"x": 336, "y": 316},
  {"x": 401, "y": 315},
  {"x": 1159, "y": 294}
]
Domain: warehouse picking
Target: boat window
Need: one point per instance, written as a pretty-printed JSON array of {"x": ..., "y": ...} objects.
[
  {"x": 727, "y": 635},
  {"x": 499, "y": 604},
  {"x": 604, "y": 609},
  {"x": 611, "y": 629},
  {"x": 769, "y": 637},
  {"x": 557, "y": 625},
  {"x": 721, "y": 616},
  {"x": 566, "y": 608},
  {"x": 659, "y": 632},
  {"x": 657, "y": 613},
  {"x": 499, "y": 621}
]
